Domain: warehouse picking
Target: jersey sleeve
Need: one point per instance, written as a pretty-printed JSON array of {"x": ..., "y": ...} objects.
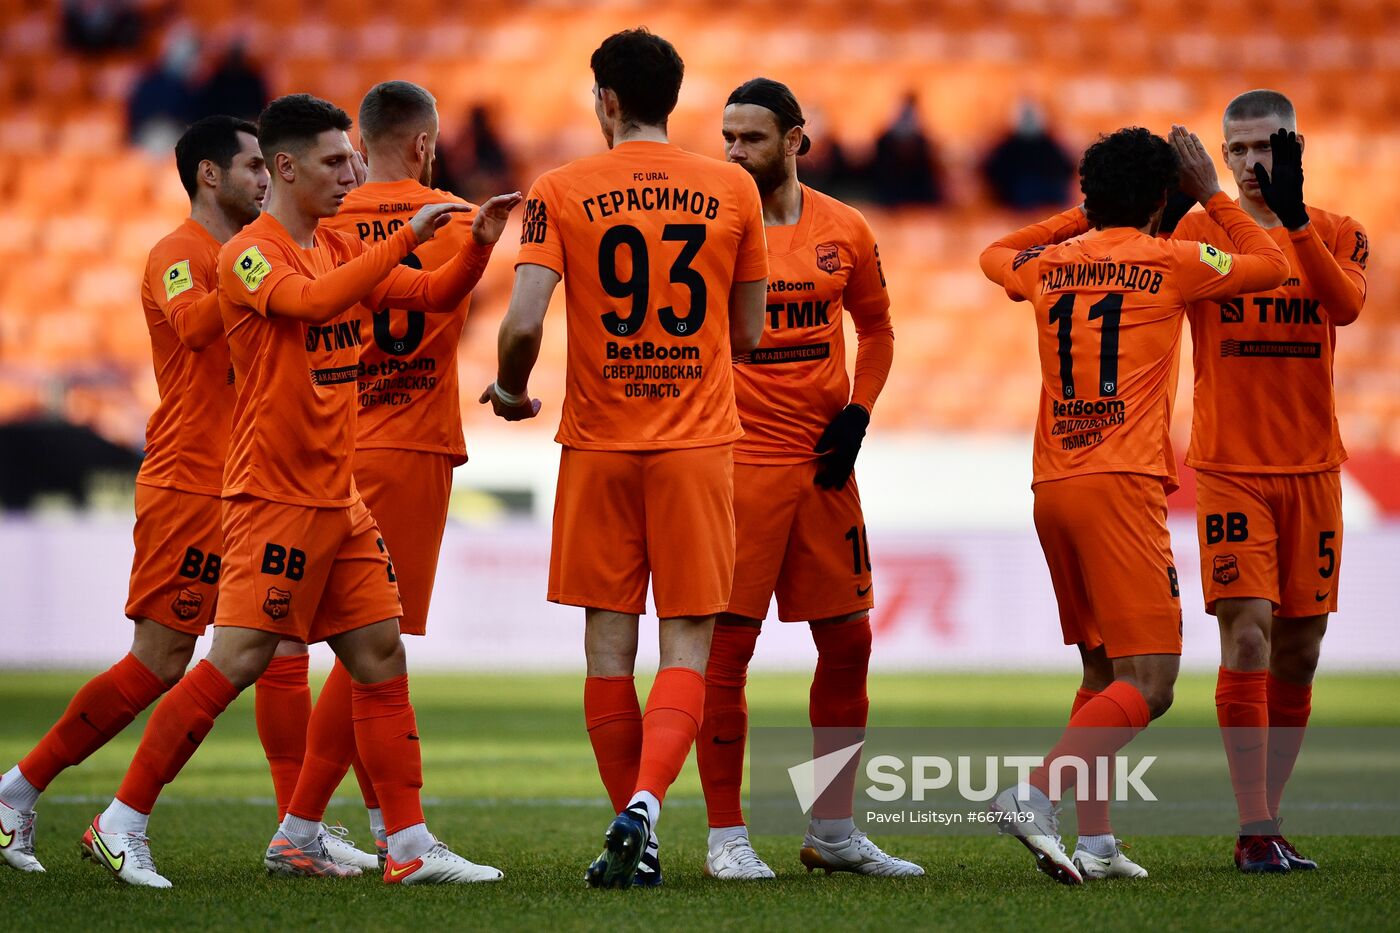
[
  {"x": 298, "y": 296},
  {"x": 751, "y": 262},
  {"x": 185, "y": 286},
  {"x": 541, "y": 243},
  {"x": 1204, "y": 271},
  {"x": 250, "y": 270},
  {"x": 868, "y": 303},
  {"x": 1010, "y": 261},
  {"x": 1337, "y": 276},
  {"x": 439, "y": 291}
]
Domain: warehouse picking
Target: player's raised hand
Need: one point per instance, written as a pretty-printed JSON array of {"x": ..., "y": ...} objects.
[
  {"x": 1198, "y": 178},
  {"x": 1283, "y": 190},
  {"x": 510, "y": 407},
  {"x": 839, "y": 445},
  {"x": 359, "y": 166},
  {"x": 433, "y": 217},
  {"x": 491, "y": 217}
]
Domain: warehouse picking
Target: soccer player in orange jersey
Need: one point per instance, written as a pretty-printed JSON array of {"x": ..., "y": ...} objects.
[
  {"x": 175, "y": 574},
  {"x": 1265, "y": 444},
  {"x": 1108, "y": 308},
  {"x": 303, "y": 558},
  {"x": 663, "y": 261},
  {"x": 409, "y": 435},
  {"x": 798, "y": 520}
]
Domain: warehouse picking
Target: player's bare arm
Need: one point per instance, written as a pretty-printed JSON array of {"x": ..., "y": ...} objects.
[
  {"x": 518, "y": 345},
  {"x": 746, "y": 301}
]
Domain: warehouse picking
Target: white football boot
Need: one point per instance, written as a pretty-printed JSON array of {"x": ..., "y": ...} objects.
[
  {"x": 736, "y": 860},
  {"x": 439, "y": 865},
  {"x": 856, "y": 854},
  {"x": 126, "y": 855},
  {"x": 341, "y": 848},
  {"x": 1035, "y": 822},
  {"x": 17, "y": 838},
  {"x": 1097, "y": 868}
]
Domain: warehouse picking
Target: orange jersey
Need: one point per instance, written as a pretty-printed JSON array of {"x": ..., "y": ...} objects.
[
  {"x": 649, "y": 239},
  {"x": 407, "y": 392},
  {"x": 791, "y": 386},
  {"x": 1264, "y": 395},
  {"x": 187, "y": 435},
  {"x": 1108, "y": 308}
]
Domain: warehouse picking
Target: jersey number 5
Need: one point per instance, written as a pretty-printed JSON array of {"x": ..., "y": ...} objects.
[
  {"x": 638, "y": 286},
  {"x": 1110, "y": 308}
]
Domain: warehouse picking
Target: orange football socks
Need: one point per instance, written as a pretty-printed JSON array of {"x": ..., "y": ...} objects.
[
  {"x": 1241, "y": 708},
  {"x": 614, "y": 720},
  {"x": 1100, "y": 727},
  {"x": 100, "y": 709},
  {"x": 672, "y": 720},
  {"x": 330, "y": 746},
  {"x": 386, "y": 734},
  {"x": 839, "y": 706},
  {"x": 282, "y": 707},
  {"x": 719, "y": 749},
  {"x": 176, "y": 727},
  {"x": 1289, "y": 708}
]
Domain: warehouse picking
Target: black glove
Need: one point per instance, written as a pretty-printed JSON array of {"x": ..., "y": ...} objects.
[
  {"x": 839, "y": 444},
  {"x": 1179, "y": 204},
  {"x": 1284, "y": 191}
]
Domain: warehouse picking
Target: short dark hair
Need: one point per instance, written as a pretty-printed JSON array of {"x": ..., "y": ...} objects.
[
  {"x": 393, "y": 106},
  {"x": 776, "y": 97},
  {"x": 214, "y": 138},
  {"x": 643, "y": 70},
  {"x": 294, "y": 121},
  {"x": 1260, "y": 103},
  {"x": 1125, "y": 177}
]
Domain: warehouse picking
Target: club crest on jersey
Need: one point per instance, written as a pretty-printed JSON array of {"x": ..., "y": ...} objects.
[
  {"x": 1232, "y": 311},
  {"x": 1217, "y": 260},
  {"x": 1227, "y": 570},
  {"x": 187, "y": 603},
  {"x": 828, "y": 257},
  {"x": 278, "y": 603},
  {"x": 178, "y": 279},
  {"x": 251, "y": 268}
]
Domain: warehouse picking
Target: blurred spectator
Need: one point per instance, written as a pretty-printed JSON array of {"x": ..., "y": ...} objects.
[
  {"x": 1028, "y": 169},
  {"x": 826, "y": 166},
  {"x": 163, "y": 102},
  {"x": 476, "y": 165},
  {"x": 93, "y": 26},
  {"x": 235, "y": 87},
  {"x": 903, "y": 169}
]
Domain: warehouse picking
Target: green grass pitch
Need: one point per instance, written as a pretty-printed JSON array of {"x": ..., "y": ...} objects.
[{"x": 511, "y": 782}]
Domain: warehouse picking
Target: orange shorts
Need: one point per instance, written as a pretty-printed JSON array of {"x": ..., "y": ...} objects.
[
  {"x": 803, "y": 542},
  {"x": 306, "y": 574},
  {"x": 1274, "y": 537},
  {"x": 1105, "y": 539},
  {"x": 179, "y": 546},
  {"x": 621, "y": 516},
  {"x": 407, "y": 493}
]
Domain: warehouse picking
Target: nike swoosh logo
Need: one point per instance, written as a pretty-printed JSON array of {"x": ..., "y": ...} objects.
[
  {"x": 861, "y": 591},
  {"x": 1319, "y": 597},
  {"x": 719, "y": 741},
  {"x": 412, "y": 737},
  {"x": 114, "y": 862},
  {"x": 5, "y": 837},
  {"x": 400, "y": 872},
  {"x": 190, "y": 736}
]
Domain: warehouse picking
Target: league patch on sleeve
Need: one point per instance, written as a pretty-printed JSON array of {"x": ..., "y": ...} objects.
[
  {"x": 178, "y": 279},
  {"x": 251, "y": 268},
  {"x": 1217, "y": 260}
]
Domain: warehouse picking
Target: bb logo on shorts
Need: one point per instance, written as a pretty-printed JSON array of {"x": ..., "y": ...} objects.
[
  {"x": 186, "y": 604},
  {"x": 1227, "y": 570},
  {"x": 828, "y": 257},
  {"x": 278, "y": 603}
]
